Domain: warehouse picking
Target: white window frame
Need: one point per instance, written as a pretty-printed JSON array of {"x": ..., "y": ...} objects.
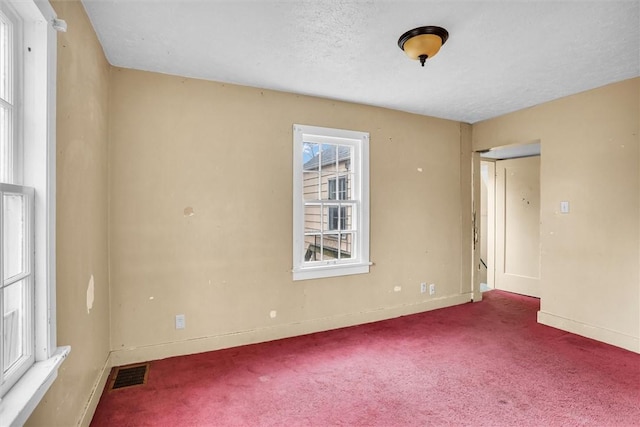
[
  {"x": 38, "y": 129},
  {"x": 13, "y": 173},
  {"x": 25, "y": 322},
  {"x": 303, "y": 270}
]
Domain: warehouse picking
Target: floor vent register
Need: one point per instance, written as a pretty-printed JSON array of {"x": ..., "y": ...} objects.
[{"x": 129, "y": 376}]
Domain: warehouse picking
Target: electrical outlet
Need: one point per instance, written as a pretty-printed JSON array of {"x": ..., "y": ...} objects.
[
  {"x": 432, "y": 289},
  {"x": 423, "y": 288},
  {"x": 180, "y": 321}
]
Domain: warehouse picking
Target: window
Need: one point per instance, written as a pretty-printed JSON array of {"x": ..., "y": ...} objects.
[
  {"x": 16, "y": 212},
  {"x": 29, "y": 357},
  {"x": 331, "y": 202}
]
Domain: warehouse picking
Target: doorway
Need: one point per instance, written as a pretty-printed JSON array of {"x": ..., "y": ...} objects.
[{"x": 509, "y": 220}]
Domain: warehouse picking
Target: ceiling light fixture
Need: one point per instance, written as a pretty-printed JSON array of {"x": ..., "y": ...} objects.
[{"x": 423, "y": 42}]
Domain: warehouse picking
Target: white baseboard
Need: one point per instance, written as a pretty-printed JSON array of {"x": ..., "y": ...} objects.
[
  {"x": 597, "y": 333},
  {"x": 199, "y": 345},
  {"x": 217, "y": 342},
  {"x": 96, "y": 393}
]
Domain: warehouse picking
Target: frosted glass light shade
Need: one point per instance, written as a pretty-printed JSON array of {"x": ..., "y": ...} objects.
[{"x": 426, "y": 44}]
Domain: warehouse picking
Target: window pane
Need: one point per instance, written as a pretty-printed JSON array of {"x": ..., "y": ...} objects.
[
  {"x": 345, "y": 154},
  {"x": 333, "y": 218},
  {"x": 346, "y": 245},
  {"x": 330, "y": 246},
  {"x": 330, "y": 217},
  {"x": 311, "y": 185},
  {"x": 338, "y": 218},
  {"x": 310, "y": 156},
  {"x": 331, "y": 189},
  {"x": 13, "y": 228},
  {"x": 14, "y": 312},
  {"x": 312, "y": 248},
  {"x": 5, "y": 145},
  {"x": 346, "y": 215},
  {"x": 329, "y": 155},
  {"x": 328, "y": 185},
  {"x": 343, "y": 193},
  {"x": 312, "y": 218},
  {"x": 5, "y": 59}
]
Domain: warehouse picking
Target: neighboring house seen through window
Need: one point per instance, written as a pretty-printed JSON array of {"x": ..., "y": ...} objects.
[{"x": 331, "y": 202}]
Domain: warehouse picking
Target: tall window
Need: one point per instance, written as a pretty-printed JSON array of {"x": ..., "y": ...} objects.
[
  {"x": 27, "y": 207},
  {"x": 331, "y": 202},
  {"x": 16, "y": 215}
]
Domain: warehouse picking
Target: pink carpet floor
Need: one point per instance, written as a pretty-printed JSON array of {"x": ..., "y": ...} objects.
[{"x": 482, "y": 364}]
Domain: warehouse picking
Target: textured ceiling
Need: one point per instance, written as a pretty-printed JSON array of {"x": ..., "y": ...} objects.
[{"x": 500, "y": 57}]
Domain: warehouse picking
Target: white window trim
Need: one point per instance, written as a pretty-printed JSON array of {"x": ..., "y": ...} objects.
[
  {"x": 39, "y": 172},
  {"x": 25, "y": 359},
  {"x": 361, "y": 263}
]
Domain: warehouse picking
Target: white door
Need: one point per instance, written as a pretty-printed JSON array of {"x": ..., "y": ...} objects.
[{"x": 517, "y": 244}]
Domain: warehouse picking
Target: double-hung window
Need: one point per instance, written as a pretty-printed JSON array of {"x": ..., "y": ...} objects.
[
  {"x": 29, "y": 357},
  {"x": 331, "y": 202},
  {"x": 16, "y": 214}
]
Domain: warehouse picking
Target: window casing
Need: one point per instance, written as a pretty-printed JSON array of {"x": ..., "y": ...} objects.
[
  {"x": 17, "y": 294},
  {"x": 331, "y": 202},
  {"x": 29, "y": 357}
]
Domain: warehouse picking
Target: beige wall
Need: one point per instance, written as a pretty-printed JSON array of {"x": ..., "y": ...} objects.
[
  {"x": 225, "y": 152},
  {"x": 82, "y": 134},
  {"x": 590, "y": 261}
]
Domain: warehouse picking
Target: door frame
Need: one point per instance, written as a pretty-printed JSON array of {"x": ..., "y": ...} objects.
[
  {"x": 475, "y": 207},
  {"x": 475, "y": 223},
  {"x": 491, "y": 221}
]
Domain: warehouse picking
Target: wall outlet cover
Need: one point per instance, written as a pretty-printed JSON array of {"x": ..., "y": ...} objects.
[{"x": 180, "y": 321}]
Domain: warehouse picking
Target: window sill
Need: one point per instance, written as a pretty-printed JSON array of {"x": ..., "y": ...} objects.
[
  {"x": 333, "y": 270},
  {"x": 20, "y": 401}
]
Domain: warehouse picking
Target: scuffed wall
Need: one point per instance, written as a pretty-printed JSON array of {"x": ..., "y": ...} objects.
[
  {"x": 199, "y": 219},
  {"x": 82, "y": 208},
  {"x": 223, "y": 153}
]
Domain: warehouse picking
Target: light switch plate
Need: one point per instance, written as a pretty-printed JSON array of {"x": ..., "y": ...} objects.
[{"x": 564, "y": 207}]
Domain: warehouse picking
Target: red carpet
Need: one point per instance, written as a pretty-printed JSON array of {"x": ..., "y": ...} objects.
[{"x": 483, "y": 364}]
